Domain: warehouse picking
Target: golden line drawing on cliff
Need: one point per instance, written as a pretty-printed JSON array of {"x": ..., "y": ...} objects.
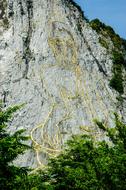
[{"x": 64, "y": 48}]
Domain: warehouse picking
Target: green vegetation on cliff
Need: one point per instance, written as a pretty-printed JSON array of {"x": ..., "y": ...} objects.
[
  {"x": 117, "y": 79},
  {"x": 117, "y": 51},
  {"x": 107, "y": 31},
  {"x": 11, "y": 145},
  {"x": 85, "y": 164},
  {"x": 89, "y": 165}
]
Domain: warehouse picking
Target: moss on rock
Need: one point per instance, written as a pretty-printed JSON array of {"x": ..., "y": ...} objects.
[{"x": 106, "y": 33}]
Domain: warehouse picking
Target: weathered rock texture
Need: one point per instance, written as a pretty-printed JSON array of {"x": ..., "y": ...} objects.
[{"x": 51, "y": 59}]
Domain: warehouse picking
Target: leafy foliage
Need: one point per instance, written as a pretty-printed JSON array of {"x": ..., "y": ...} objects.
[
  {"x": 97, "y": 25},
  {"x": 103, "y": 43},
  {"x": 106, "y": 31},
  {"x": 84, "y": 165},
  {"x": 117, "y": 52},
  {"x": 117, "y": 80},
  {"x": 10, "y": 147},
  {"x": 35, "y": 181},
  {"x": 87, "y": 165}
]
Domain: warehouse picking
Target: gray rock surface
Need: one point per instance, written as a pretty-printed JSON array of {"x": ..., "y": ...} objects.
[{"x": 51, "y": 60}]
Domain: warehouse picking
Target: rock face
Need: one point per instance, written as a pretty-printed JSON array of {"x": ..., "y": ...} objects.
[{"x": 51, "y": 60}]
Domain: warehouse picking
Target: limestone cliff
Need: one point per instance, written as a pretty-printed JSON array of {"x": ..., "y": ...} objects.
[{"x": 52, "y": 60}]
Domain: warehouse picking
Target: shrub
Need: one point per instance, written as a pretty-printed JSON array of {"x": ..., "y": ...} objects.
[
  {"x": 117, "y": 79},
  {"x": 11, "y": 145},
  {"x": 89, "y": 165}
]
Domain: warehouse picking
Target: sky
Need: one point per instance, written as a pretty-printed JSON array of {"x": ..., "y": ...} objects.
[{"x": 111, "y": 12}]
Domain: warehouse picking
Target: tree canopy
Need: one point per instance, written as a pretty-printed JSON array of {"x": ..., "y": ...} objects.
[
  {"x": 85, "y": 164},
  {"x": 11, "y": 145},
  {"x": 89, "y": 165}
]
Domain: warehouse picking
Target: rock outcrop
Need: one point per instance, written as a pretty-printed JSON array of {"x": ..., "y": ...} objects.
[{"x": 51, "y": 60}]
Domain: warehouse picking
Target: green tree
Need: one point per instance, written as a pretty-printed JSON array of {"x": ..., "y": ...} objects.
[
  {"x": 11, "y": 145},
  {"x": 117, "y": 79},
  {"x": 84, "y": 165},
  {"x": 89, "y": 165}
]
